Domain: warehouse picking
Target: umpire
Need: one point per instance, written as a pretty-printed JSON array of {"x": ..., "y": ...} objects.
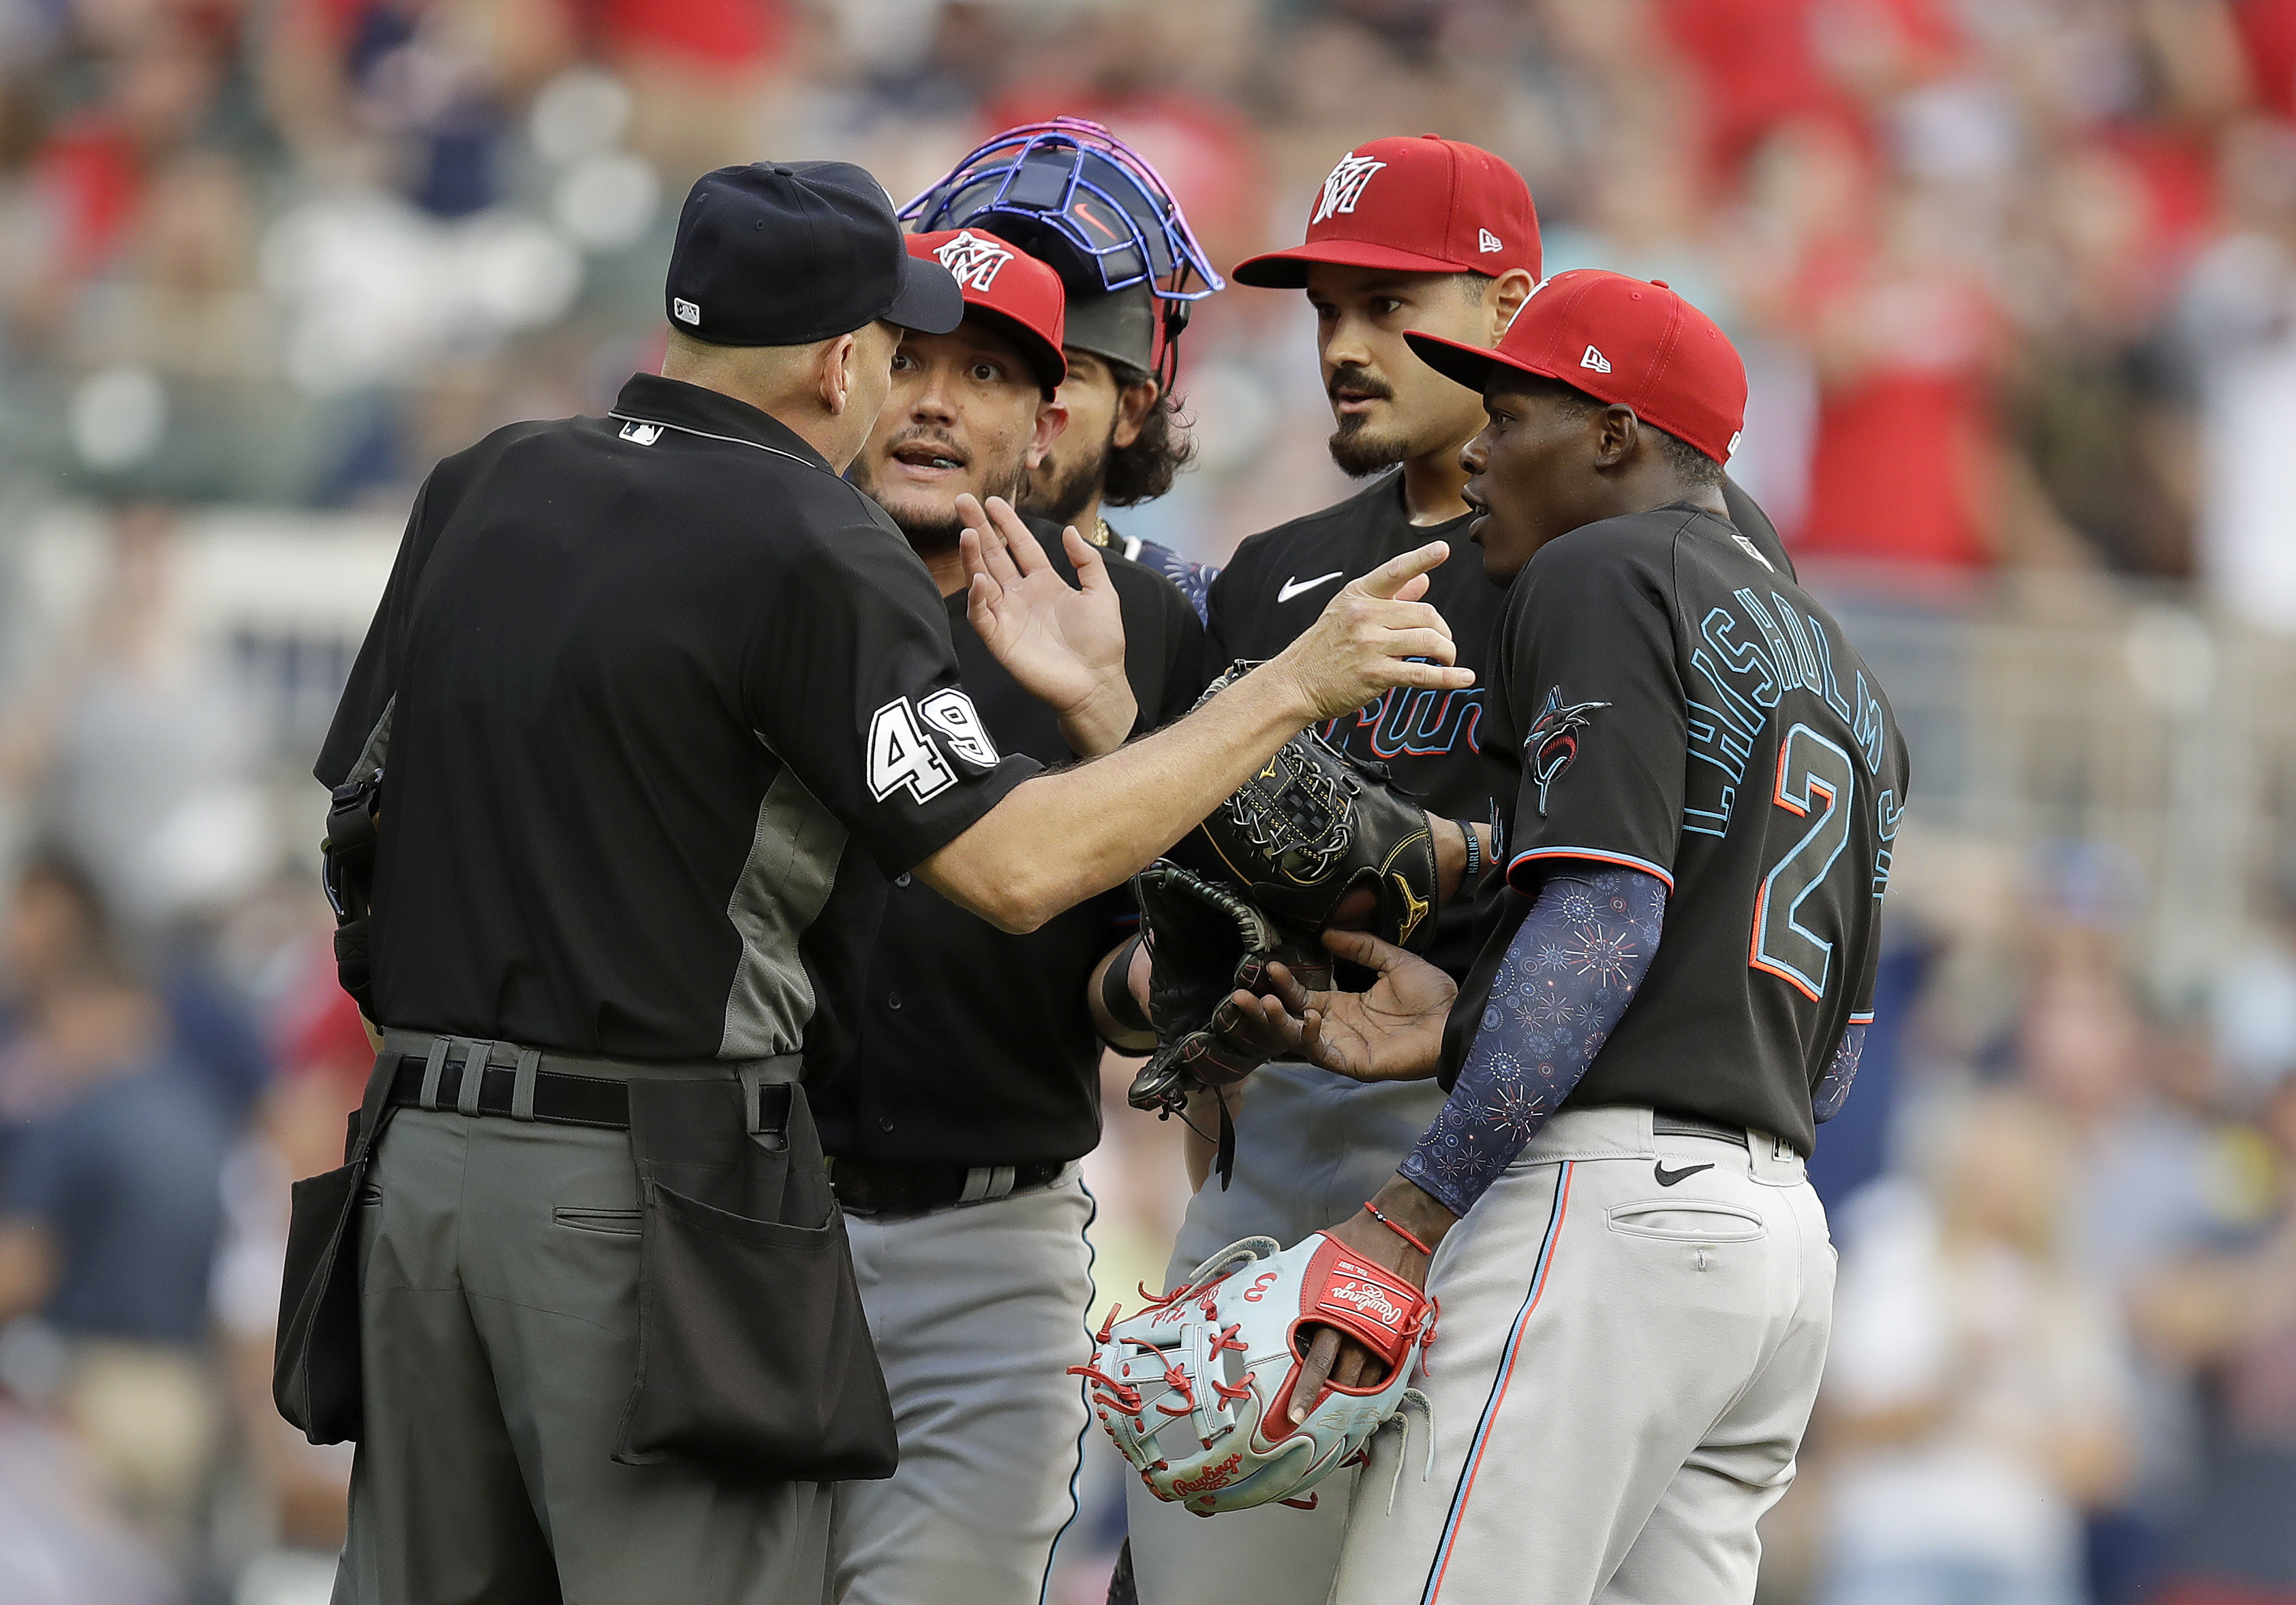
[{"x": 654, "y": 706}]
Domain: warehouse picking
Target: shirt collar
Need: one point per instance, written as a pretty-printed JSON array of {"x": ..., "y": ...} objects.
[{"x": 650, "y": 398}]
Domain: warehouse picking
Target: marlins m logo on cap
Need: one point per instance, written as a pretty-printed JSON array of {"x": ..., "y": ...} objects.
[
  {"x": 1345, "y": 186},
  {"x": 972, "y": 261}
]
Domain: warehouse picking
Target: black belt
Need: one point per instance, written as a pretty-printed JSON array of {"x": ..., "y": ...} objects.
[
  {"x": 913, "y": 1189},
  {"x": 566, "y": 1100},
  {"x": 1690, "y": 1125},
  {"x": 528, "y": 1083}
]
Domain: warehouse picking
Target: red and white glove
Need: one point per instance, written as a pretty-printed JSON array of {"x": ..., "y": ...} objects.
[{"x": 1196, "y": 1389}]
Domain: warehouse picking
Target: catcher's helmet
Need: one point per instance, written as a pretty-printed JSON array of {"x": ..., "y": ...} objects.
[{"x": 1078, "y": 198}]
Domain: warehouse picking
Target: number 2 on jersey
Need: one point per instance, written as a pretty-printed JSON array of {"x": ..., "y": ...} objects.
[{"x": 1814, "y": 778}]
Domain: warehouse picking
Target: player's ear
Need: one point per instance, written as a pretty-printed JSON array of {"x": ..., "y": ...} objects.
[
  {"x": 1616, "y": 433},
  {"x": 1052, "y": 418},
  {"x": 1504, "y": 298},
  {"x": 1134, "y": 403}
]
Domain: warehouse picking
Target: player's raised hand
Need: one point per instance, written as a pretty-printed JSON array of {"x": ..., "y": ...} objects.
[
  {"x": 1374, "y": 634},
  {"x": 1064, "y": 643},
  {"x": 1394, "y": 1032}
]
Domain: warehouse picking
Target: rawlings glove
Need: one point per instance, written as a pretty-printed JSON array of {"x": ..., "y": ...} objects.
[
  {"x": 1204, "y": 942},
  {"x": 1196, "y": 1389},
  {"x": 1315, "y": 823}
]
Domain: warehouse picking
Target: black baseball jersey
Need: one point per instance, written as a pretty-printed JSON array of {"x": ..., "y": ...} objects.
[
  {"x": 1435, "y": 743},
  {"x": 661, "y": 705},
  {"x": 976, "y": 1047},
  {"x": 1682, "y": 707}
]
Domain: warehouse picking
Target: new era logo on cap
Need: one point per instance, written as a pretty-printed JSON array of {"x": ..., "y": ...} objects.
[
  {"x": 1490, "y": 242},
  {"x": 972, "y": 261},
  {"x": 685, "y": 311},
  {"x": 1595, "y": 360},
  {"x": 1345, "y": 186}
]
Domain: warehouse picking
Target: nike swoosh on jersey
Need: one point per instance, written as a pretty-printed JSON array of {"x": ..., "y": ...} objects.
[
  {"x": 1291, "y": 588},
  {"x": 1668, "y": 1178}
]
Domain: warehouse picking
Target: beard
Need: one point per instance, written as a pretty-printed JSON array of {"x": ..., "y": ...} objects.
[
  {"x": 1060, "y": 495},
  {"x": 1359, "y": 452},
  {"x": 1353, "y": 447},
  {"x": 930, "y": 529}
]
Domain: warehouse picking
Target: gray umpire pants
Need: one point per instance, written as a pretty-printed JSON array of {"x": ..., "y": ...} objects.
[
  {"x": 1310, "y": 1147},
  {"x": 499, "y": 1331}
]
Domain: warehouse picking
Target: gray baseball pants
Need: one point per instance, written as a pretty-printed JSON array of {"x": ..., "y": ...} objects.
[
  {"x": 978, "y": 1310},
  {"x": 1621, "y": 1373},
  {"x": 499, "y": 1332},
  {"x": 1310, "y": 1147}
]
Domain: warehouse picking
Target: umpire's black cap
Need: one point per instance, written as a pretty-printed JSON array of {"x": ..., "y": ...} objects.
[{"x": 787, "y": 253}]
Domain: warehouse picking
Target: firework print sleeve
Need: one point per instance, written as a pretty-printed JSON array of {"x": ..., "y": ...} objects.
[
  {"x": 1568, "y": 974},
  {"x": 1833, "y": 1090}
]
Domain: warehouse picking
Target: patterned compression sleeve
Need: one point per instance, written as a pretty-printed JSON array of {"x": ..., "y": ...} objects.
[
  {"x": 1568, "y": 975},
  {"x": 1834, "y": 1091}
]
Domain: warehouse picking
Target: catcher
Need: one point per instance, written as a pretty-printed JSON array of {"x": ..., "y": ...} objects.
[{"x": 1673, "y": 989}]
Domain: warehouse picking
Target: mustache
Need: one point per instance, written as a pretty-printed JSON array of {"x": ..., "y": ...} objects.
[
  {"x": 1361, "y": 381},
  {"x": 926, "y": 434}
]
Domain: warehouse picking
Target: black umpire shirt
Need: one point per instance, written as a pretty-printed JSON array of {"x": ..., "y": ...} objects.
[
  {"x": 661, "y": 705},
  {"x": 1685, "y": 709},
  {"x": 976, "y": 1048},
  {"x": 1435, "y": 743}
]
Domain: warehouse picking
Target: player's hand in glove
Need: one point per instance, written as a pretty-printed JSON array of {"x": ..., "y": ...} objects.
[
  {"x": 1394, "y": 1032},
  {"x": 1410, "y": 1215},
  {"x": 1064, "y": 643},
  {"x": 1204, "y": 942}
]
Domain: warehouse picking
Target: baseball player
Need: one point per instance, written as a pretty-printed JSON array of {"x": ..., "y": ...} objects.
[
  {"x": 1074, "y": 196},
  {"x": 953, "y": 1135},
  {"x": 1634, "y": 1275},
  {"x": 1405, "y": 234}
]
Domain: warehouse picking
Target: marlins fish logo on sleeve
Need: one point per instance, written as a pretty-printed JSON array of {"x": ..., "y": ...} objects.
[{"x": 1554, "y": 739}]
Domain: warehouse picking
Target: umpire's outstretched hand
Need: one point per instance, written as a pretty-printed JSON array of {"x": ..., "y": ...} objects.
[{"x": 1375, "y": 634}]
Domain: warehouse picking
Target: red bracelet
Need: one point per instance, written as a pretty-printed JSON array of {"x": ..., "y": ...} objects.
[{"x": 1398, "y": 1228}]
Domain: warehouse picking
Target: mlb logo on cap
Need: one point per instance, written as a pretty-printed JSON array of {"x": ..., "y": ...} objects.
[{"x": 1424, "y": 205}]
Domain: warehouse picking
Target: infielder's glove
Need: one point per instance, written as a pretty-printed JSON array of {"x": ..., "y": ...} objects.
[
  {"x": 1314, "y": 824},
  {"x": 1196, "y": 1389},
  {"x": 1204, "y": 942}
]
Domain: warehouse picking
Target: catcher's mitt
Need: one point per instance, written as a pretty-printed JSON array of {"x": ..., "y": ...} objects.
[
  {"x": 1205, "y": 941},
  {"x": 1315, "y": 823},
  {"x": 1196, "y": 1389}
]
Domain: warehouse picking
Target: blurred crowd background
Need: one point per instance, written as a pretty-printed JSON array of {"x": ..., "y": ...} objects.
[{"x": 2016, "y": 282}]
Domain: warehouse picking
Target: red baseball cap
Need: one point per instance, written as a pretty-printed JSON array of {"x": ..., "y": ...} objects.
[
  {"x": 1009, "y": 287},
  {"x": 1618, "y": 340},
  {"x": 1424, "y": 205}
]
